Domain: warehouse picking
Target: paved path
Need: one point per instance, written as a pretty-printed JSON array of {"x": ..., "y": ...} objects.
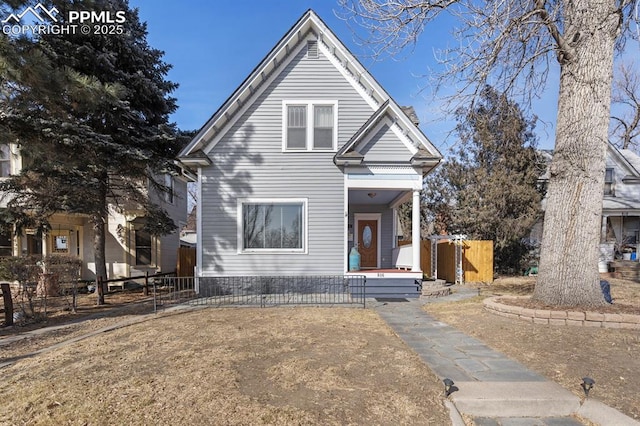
[{"x": 490, "y": 387}]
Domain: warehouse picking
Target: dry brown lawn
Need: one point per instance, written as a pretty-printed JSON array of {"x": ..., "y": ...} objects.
[
  {"x": 285, "y": 366},
  {"x": 563, "y": 354}
]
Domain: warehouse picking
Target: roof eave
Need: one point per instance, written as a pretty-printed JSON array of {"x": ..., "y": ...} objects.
[
  {"x": 246, "y": 88},
  {"x": 425, "y": 161},
  {"x": 347, "y": 161}
]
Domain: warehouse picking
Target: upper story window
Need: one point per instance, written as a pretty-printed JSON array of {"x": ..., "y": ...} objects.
[
  {"x": 310, "y": 126},
  {"x": 169, "y": 183},
  {"x": 608, "y": 182},
  {"x": 5, "y": 160}
]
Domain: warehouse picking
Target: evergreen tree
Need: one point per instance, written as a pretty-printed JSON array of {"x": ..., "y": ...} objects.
[
  {"x": 488, "y": 188},
  {"x": 90, "y": 114}
]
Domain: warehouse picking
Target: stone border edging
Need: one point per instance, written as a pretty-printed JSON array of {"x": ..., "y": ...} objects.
[{"x": 552, "y": 317}]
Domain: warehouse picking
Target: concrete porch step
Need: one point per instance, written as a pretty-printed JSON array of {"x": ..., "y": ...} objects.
[{"x": 514, "y": 399}]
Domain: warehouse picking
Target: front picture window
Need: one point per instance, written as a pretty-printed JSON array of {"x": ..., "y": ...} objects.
[{"x": 272, "y": 226}]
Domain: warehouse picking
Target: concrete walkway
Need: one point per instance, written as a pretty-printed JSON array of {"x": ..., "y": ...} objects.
[{"x": 491, "y": 388}]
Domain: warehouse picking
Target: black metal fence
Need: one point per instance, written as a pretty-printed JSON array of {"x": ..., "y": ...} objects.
[{"x": 261, "y": 290}]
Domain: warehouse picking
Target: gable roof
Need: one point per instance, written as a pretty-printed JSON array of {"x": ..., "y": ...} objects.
[
  {"x": 419, "y": 145},
  {"x": 624, "y": 157},
  {"x": 630, "y": 160},
  {"x": 337, "y": 53}
]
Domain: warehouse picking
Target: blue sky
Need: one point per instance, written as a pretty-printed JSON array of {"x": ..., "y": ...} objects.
[{"x": 214, "y": 45}]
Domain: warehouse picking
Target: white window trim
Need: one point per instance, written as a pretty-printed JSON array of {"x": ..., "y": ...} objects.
[
  {"x": 309, "y": 104},
  {"x": 305, "y": 227}
]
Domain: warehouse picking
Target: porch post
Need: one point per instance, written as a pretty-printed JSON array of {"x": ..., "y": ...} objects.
[
  {"x": 415, "y": 232},
  {"x": 603, "y": 231}
]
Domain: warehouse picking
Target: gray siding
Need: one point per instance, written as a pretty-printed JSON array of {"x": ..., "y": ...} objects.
[
  {"x": 385, "y": 146},
  {"x": 248, "y": 162},
  {"x": 386, "y": 229}
]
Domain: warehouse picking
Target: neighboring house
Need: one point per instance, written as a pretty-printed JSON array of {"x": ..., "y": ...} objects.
[
  {"x": 306, "y": 158},
  {"x": 620, "y": 224},
  {"x": 621, "y": 205},
  {"x": 129, "y": 250}
]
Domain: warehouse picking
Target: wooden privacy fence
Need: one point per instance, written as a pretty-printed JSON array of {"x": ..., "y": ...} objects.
[
  {"x": 477, "y": 260},
  {"x": 186, "y": 262}
]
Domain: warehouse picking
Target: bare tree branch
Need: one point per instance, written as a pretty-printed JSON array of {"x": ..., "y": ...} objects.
[
  {"x": 503, "y": 43},
  {"x": 625, "y": 128}
]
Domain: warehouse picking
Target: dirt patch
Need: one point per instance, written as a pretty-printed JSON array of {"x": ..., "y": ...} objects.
[
  {"x": 230, "y": 366},
  {"x": 561, "y": 353}
]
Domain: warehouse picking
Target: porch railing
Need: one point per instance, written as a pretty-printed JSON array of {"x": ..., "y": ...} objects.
[{"x": 261, "y": 290}]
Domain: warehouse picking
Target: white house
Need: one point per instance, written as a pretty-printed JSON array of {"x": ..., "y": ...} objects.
[
  {"x": 130, "y": 251},
  {"x": 620, "y": 226},
  {"x": 308, "y": 157},
  {"x": 621, "y": 205}
]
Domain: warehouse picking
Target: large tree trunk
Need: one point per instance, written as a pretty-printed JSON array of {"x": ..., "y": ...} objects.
[
  {"x": 98, "y": 224},
  {"x": 568, "y": 272}
]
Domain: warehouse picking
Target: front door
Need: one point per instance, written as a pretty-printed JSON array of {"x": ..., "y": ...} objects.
[{"x": 368, "y": 243}]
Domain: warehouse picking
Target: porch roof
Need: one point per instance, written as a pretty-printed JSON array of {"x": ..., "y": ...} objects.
[{"x": 617, "y": 205}]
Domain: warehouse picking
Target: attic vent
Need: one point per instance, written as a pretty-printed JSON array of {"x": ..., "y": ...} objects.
[{"x": 312, "y": 49}]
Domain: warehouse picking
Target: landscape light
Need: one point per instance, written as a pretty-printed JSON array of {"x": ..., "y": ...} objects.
[
  {"x": 448, "y": 386},
  {"x": 587, "y": 384}
]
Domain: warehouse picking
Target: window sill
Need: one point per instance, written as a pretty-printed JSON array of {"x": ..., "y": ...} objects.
[{"x": 272, "y": 251}]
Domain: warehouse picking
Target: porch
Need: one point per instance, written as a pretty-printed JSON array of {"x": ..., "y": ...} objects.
[
  {"x": 620, "y": 234},
  {"x": 391, "y": 283},
  {"x": 372, "y": 223}
]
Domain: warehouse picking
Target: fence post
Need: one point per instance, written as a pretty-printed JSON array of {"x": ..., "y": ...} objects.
[
  {"x": 8, "y": 304},
  {"x": 155, "y": 303},
  {"x": 196, "y": 284},
  {"x": 145, "y": 290},
  {"x": 74, "y": 300}
]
